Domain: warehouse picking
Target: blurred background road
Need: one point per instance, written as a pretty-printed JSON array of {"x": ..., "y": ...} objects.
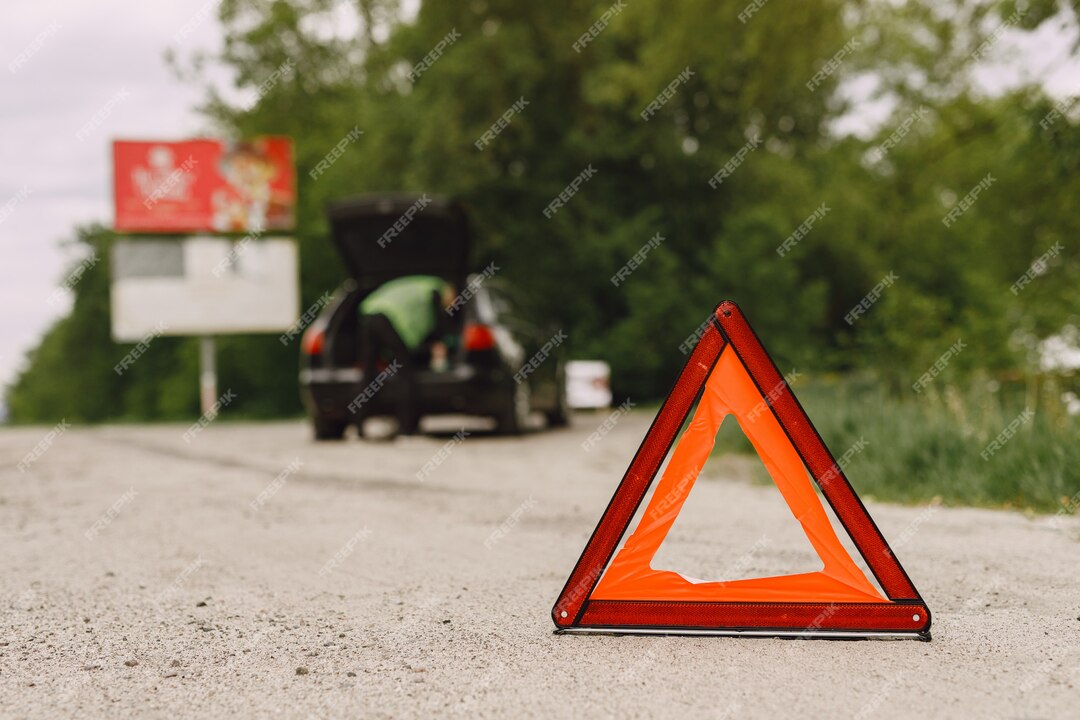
[{"x": 255, "y": 572}]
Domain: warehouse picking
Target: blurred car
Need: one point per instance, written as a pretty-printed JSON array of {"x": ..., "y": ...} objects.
[
  {"x": 384, "y": 237},
  {"x": 588, "y": 384}
]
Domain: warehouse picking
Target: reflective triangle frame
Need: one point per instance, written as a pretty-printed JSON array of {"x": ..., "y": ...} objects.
[{"x": 902, "y": 615}]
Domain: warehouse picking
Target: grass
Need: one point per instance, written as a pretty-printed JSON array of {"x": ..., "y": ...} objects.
[{"x": 932, "y": 445}]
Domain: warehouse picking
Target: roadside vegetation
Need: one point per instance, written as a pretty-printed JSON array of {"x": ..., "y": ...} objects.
[{"x": 940, "y": 444}]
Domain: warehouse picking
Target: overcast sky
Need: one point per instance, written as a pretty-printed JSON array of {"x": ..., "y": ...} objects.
[
  {"x": 64, "y": 62},
  {"x": 61, "y": 63}
]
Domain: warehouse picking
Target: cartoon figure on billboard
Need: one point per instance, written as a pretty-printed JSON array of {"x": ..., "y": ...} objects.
[{"x": 246, "y": 201}]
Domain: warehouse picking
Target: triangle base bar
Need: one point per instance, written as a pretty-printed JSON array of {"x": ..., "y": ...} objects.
[
  {"x": 797, "y": 619},
  {"x": 778, "y": 633}
]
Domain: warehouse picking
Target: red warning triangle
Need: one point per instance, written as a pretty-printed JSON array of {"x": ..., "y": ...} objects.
[{"x": 734, "y": 376}]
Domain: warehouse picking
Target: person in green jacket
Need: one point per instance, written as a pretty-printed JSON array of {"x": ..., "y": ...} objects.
[{"x": 401, "y": 317}]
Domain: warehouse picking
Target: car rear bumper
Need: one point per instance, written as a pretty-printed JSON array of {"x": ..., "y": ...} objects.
[{"x": 342, "y": 394}]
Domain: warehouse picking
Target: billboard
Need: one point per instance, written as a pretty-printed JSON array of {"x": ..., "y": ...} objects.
[
  {"x": 203, "y": 286},
  {"x": 204, "y": 185}
]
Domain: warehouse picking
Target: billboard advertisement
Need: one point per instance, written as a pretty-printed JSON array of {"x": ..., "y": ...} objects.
[
  {"x": 203, "y": 286},
  {"x": 204, "y": 185}
]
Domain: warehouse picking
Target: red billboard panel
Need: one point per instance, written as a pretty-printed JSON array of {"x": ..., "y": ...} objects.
[{"x": 204, "y": 185}]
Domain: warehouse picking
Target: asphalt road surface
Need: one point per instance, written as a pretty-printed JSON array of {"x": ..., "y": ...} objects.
[{"x": 246, "y": 571}]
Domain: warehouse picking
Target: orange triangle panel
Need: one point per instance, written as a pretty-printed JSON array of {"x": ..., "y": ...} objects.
[{"x": 620, "y": 592}]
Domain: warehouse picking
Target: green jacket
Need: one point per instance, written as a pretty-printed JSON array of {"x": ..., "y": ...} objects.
[{"x": 410, "y": 303}]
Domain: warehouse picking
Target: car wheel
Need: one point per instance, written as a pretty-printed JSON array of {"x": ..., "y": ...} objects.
[
  {"x": 515, "y": 414},
  {"x": 560, "y": 416},
  {"x": 326, "y": 429}
]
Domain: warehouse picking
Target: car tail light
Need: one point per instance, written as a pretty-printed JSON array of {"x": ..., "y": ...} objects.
[
  {"x": 313, "y": 341},
  {"x": 478, "y": 337}
]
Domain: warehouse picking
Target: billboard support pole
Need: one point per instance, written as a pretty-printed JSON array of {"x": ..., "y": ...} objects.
[{"x": 207, "y": 375}]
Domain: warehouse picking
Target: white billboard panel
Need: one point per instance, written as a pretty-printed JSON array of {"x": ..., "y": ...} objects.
[{"x": 203, "y": 286}]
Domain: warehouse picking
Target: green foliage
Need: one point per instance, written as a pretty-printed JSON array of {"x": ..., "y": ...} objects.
[
  {"x": 748, "y": 81},
  {"x": 916, "y": 450}
]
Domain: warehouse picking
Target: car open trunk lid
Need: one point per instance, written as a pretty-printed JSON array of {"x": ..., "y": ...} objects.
[{"x": 386, "y": 236}]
